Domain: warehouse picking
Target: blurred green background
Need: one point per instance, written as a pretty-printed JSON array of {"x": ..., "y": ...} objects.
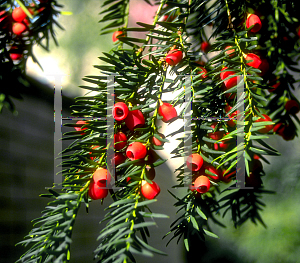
[{"x": 80, "y": 45}]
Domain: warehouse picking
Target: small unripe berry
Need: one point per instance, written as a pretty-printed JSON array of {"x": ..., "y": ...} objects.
[
  {"x": 202, "y": 184},
  {"x": 292, "y": 107},
  {"x": 267, "y": 128},
  {"x": 120, "y": 111},
  {"x": 18, "y": 14},
  {"x": 167, "y": 111},
  {"x": 205, "y": 46},
  {"x": 253, "y": 20},
  {"x": 194, "y": 162},
  {"x": 122, "y": 139},
  {"x": 174, "y": 57},
  {"x": 150, "y": 191},
  {"x": 116, "y": 34},
  {"x": 18, "y": 28},
  {"x": 134, "y": 119},
  {"x": 136, "y": 151}
]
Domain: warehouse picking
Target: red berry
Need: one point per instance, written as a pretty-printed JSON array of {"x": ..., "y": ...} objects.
[
  {"x": 194, "y": 162},
  {"x": 122, "y": 139},
  {"x": 267, "y": 128},
  {"x": 174, "y": 57},
  {"x": 102, "y": 177},
  {"x": 167, "y": 111},
  {"x": 81, "y": 123},
  {"x": 205, "y": 46},
  {"x": 232, "y": 122},
  {"x": 97, "y": 192},
  {"x": 120, "y": 111},
  {"x": 264, "y": 67},
  {"x": 289, "y": 133},
  {"x": 211, "y": 169},
  {"x": 18, "y": 14},
  {"x": 202, "y": 184},
  {"x": 226, "y": 177},
  {"x": 203, "y": 72},
  {"x": 157, "y": 142},
  {"x": 253, "y": 20},
  {"x": 98, "y": 185},
  {"x": 256, "y": 61},
  {"x": 134, "y": 119},
  {"x": 292, "y": 107},
  {"x": 169, "y": 18},
  {"x": 225, "y": 73},
  {"x": 298, "y": 32},
  {"x": 275, "y": 83},
  {"x": 118, "y": 159},
  {"x": 15, "y": 55},
  {"x": 150, "y": 191},
  {"x": 136, "y": 151},
  {"x": 279, "y": 128},
  {"x": 116, "y": 34},
  {"x": 229, "y": 51},
  {"x": 18, "y": 28},
  {"x": 253, "y": 180}
]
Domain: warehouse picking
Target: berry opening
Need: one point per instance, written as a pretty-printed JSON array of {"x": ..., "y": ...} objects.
[{"x": 130, "y": 155}]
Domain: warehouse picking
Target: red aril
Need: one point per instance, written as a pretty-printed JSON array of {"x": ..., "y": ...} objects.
[
  {"x": 174, "y": 57},
  {"x": 267, "y": 128},
  {"x": 120, "y": 140},
  {"x": 150, "y": 191},
  {"x": 202, "y": 184},
  {"x": 134, "y": 119},
  {"x": 18, "y": 14},
  {"x": 156, "y": 141},
  {"x": 120, "y": 111},
  {"x": 194, "y": 162},
  {"x": 18, "y": 28},
  {"x": 116, "y": 34},
  {"x": 292, "y": 107},
  {"x": 167, "y": 111},
  {"x": 205, "y": 46},
  {"x": 80, "y": 124},
  {"x": 253, "y": 20},
  {"x": 136, "y": 150}
]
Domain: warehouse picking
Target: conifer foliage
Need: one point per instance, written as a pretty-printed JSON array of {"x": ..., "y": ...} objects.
[
  {"x": 219, "y": 46},
  {"x": 23, "y": 24}
]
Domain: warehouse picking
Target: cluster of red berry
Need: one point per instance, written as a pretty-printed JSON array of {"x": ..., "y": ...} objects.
[
  {"x": 133, "y": 119},
  {"x": 16, "y": 23}
]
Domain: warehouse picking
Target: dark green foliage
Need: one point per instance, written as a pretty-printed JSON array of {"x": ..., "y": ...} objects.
[{"x": 141, "y": 77}]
